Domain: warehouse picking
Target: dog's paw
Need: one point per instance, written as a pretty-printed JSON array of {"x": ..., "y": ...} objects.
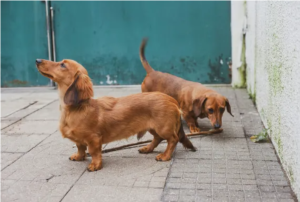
[
  {"x": 76, "y": 157},
  {"x": 194, "y": 149},
  {"x": 194, "y": 129},
  {"x": 144, "y": 150},
  {"x": 162, "y": 157},
  {"x": 92, "y": 167}
]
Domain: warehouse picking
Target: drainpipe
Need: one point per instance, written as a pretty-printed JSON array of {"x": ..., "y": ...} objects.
[
  {"x": 48, "y": 36},
  {"x": 53, "y": 34},
  {"x": 53, "y": 37}
]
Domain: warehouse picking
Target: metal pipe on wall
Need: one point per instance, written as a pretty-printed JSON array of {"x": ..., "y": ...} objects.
[
  {"x": 48, "y": 35},
  {"x": 53, "y": 37},
  {"x": 53, "y": 34}
]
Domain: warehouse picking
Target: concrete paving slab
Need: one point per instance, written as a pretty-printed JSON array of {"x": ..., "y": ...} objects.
[
  {"x": 226, "y": 166},
  {"x": 10, "y": 107},
  {"x": 5, "y": 122},
  {"x": 126, "y": 172},
  {"x": 116, "y": 194},
  {"x": 32, "y": 127},
  {"x": 14, "y": 143},
  {"x": 14, "y": 102},
  {"x": 9, "y": 95},
  {"x": 30, "y": 108},
  {"x": 33, "y": 191},
  {"x": 49, "y": 112},
  {"x": 229, "y": 168},
  {"x": 8, "y": 158},
  {"x": 41, "y": 167}
]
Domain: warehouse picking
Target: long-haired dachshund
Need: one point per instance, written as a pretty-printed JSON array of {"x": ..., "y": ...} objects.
[
  {"x": 92, "y": 122},
  {"x": 194, "y": 99}
]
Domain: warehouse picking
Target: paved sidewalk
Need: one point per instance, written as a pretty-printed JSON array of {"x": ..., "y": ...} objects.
[{"x": 226, "y": 167}]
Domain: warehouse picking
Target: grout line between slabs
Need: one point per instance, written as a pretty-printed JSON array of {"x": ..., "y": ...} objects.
[{"x": 17, "y": 120}]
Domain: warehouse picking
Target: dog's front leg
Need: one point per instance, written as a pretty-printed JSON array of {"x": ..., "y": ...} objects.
[
  {"x": 191, "y": 122},
  {"x": 95, "y": 150},
  {"x": 80, "y": 155}
]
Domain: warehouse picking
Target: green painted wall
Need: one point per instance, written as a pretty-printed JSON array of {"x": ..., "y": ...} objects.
[
  {"x": 23, "y": 39},
  {"x": 183, "y": 37},
  {"x": 188, "y": 39}
]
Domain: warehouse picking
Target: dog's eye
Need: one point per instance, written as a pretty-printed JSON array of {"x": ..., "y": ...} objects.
[
  {"x": 222, "y": 110},
  {"x": 210, "y": 110},
  {"x": 63, "y": 65}
]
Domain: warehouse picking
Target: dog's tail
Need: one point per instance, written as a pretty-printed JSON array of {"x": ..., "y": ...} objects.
[
  {"x": 183, "y": 139},
  {"x": 146, "y": 65}
]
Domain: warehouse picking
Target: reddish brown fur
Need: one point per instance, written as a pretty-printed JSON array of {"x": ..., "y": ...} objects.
[
  {"x": 194, "y": 99},
  {"x": 92, "y": 122}
]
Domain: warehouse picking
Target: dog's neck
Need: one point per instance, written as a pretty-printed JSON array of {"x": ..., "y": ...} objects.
[
  {"x": 62, "y": 105},
  {"x": 61, "y": 93}
]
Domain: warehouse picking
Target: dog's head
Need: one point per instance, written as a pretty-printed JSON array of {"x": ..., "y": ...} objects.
[
  {"x": 212, "y": 106},
  {"x": 71, "y": 77}
]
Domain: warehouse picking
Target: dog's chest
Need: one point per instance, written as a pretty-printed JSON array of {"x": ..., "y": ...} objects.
[{"x": 69, "y": 127}]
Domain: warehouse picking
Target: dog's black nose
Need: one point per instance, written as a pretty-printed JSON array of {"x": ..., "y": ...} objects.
[
  {"x": 38, "y": 61},
  {"x": 217, "y": 126}
]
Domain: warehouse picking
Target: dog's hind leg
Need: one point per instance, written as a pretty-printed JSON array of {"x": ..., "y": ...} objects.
[
  {"x": 184, "y": 139},
  {"x": 167, "y": 155},
  {"x": 150, "y": 147}
]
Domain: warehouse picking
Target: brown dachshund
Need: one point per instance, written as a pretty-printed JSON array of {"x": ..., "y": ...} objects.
[
  {"x": 194, "y": 99},
  {"x": 92, "y": 122}
]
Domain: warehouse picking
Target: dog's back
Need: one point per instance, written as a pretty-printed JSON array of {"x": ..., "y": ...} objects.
[
  {"x": 132, "y": 113},
  {"x": 164, "y": 82}
]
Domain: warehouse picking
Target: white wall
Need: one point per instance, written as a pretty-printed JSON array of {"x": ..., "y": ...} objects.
[
  {"x": 273, "y": 76},
  {"x": 251, "y": 47},
  {"x": 237, "y": 27}
]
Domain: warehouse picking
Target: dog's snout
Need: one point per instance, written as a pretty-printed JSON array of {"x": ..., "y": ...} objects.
[
  {"x": 217, "y": 126},
  {"x": 38, "y": 61}
]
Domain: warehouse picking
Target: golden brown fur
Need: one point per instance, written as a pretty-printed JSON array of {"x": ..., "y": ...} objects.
[
  {"x": 92, "y": 122},
  {"x": 194, "y": 99}
]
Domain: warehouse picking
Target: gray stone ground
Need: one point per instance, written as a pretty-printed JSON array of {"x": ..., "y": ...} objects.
[{"x": 226, "y": 167}]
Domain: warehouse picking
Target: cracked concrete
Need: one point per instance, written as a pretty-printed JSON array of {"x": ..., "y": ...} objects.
[{"x": 226, "y": 167}]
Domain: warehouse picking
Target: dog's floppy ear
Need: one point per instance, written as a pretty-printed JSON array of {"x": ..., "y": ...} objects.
[
  {"x": 198, "y": 104},
  {"x": 81, "y": 89},
  {"x": 228, "y": 107}
]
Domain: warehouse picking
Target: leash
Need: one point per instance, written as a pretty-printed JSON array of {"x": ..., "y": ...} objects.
[{"x": 129, "y": 146}]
